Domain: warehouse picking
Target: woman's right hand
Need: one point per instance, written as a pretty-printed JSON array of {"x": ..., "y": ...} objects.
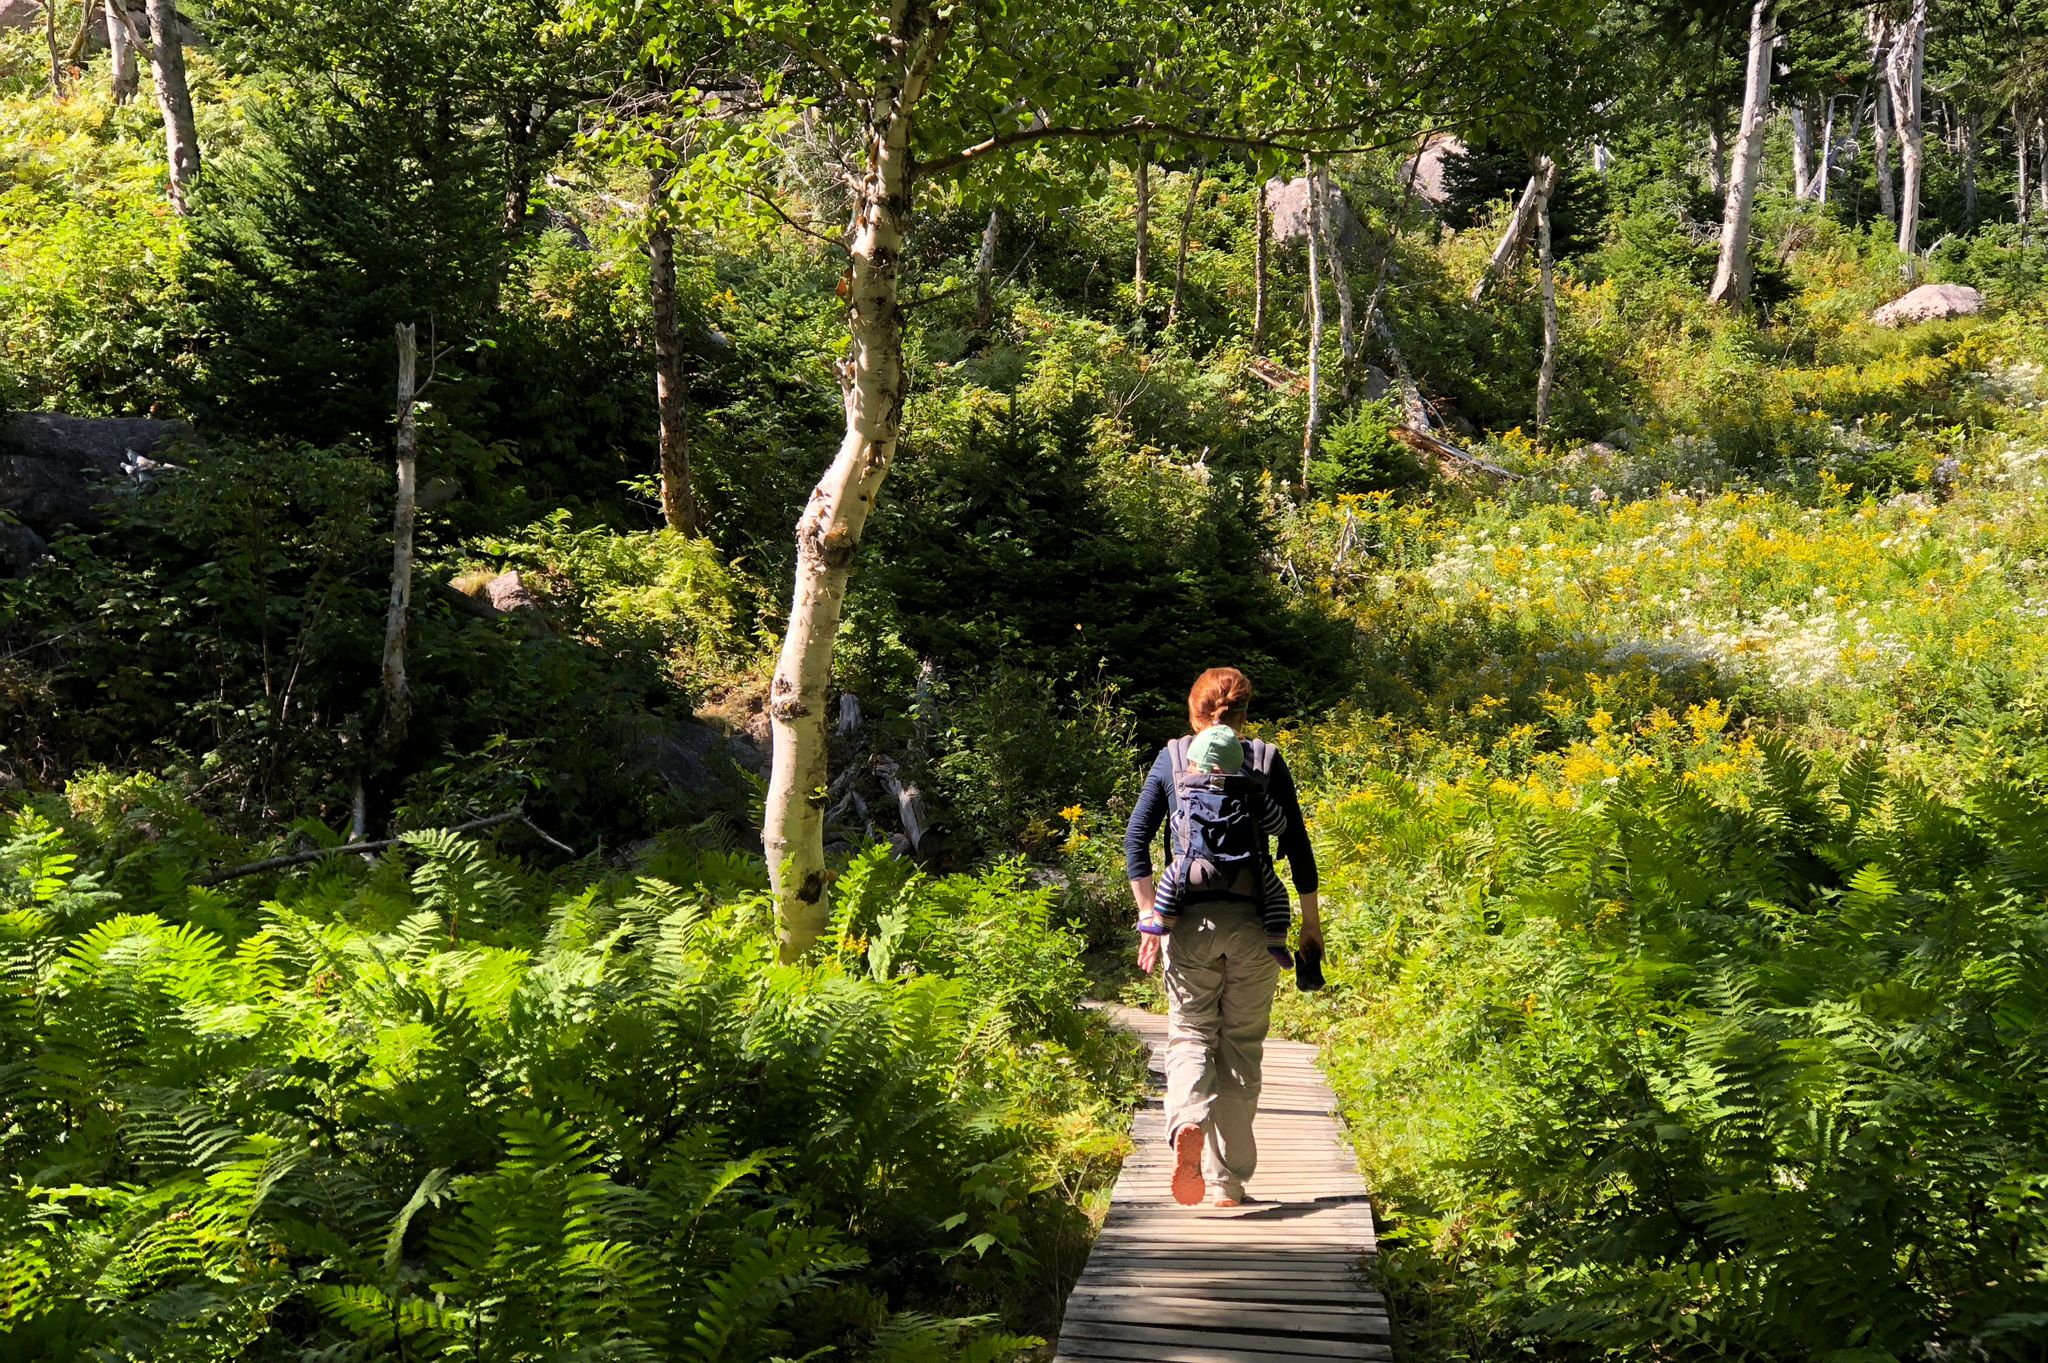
[{"x": 1144, "y": 891}]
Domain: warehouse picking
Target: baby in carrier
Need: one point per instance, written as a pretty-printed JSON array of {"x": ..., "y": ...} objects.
[{"x": 1217, "y": 838}]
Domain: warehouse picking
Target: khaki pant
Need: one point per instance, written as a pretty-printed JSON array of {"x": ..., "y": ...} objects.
[{"x": 1219, "y": 1004}]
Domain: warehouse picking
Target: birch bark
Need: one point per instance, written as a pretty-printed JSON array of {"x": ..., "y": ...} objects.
[
  {"x": 1881, "y": 119},
  {"x": 985, "y": 273},
  {"x": 174, "y": 100},
  {"x": 122, "y": 41},
  {"x": 1904, "y": 76},
  {"x": 1340, "y": 279},
  {"x": 874, "y": 382},
  {"x": 1144, "y": 229},
  {"x": 1262, "y": 235},
  {"x": 1731, "y": 274},
  {"x": 1802, "y": 152}
]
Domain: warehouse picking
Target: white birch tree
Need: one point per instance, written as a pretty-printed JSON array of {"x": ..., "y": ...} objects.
[
  {"x": 1732, "y": 271},
  {"x": 174, "y": 101},
  {"x": 931, "y": 89}
]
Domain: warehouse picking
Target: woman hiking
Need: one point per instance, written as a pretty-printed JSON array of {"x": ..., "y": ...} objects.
[{"x": 1218, "y": 917}]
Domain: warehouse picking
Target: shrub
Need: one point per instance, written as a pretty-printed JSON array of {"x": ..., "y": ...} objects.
[{"x": 447, "y": 1109}]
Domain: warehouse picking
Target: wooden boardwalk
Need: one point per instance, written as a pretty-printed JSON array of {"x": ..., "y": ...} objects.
[{"x": 1277, "y": 1281}]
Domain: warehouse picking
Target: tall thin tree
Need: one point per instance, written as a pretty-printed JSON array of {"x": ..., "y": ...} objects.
[
  {"x": 174, "y": 101},
  {"x": 679, "y": 511},
  {"x": 391, "y": 730},
  {"x": 1732, "y": 271}
]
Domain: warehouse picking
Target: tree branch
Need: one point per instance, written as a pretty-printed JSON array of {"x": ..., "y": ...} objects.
[{"x": 381, "y": 845}]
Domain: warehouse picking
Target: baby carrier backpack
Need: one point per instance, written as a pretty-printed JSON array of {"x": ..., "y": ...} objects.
[{"x": 1219, "y": 847}]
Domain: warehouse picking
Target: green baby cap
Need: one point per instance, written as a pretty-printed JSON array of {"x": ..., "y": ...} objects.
[{"x": 1216, "y": 749}]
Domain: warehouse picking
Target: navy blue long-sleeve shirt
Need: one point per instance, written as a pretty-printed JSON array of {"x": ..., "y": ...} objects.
[{"x": 1155, "y": 802}]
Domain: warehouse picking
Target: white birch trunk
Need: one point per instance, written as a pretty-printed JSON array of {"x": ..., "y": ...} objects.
[
  {"x": 1802, "y": 152},
  {"x": 985, "y": 273},
  {"x": 1817, "y": 188},
  {"x": 1315, "y": 327},
  {"x": 1881, "y": 119},
  {"x": 874, "y": 381},
  {"x": 174, "y": 100},
  {"x": 2040, "y": 156},
  {"x": 1518, "y": 230},
  {"x": 405, "y": 513},
  {"x": 1546, "y": 378},
  {"x": 1262, "y": 235},
  {"x": 1731, "y": 274},
  {"x": 1904, "y": 75},
  {"x": 1142, "y": 268},
  {"x": 2019, "y": 125},
  {"x": 122, "y": 42},
  {"x": 1340, "y": 279}
]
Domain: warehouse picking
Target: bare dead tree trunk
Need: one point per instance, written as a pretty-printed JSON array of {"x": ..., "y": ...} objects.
[
  {"x": 405, "y": 512},
  {"x": 1311, "y": 427},
  {"x": 1881, "y": 118},
  {"x": 1817, "y": 187},
  {"x": 1731, "y": 273},
  {"x": 1802, "y": 151},
  {"x": 1717, "y": 155},
  {"x": 1340, "y": 278},
  {"x": 1187, "y": 227},
  {"x": 985, "y": 273},
  {"x": 1510, "y": 247},
  {"x": 2040, "y": 161},
  {"x": 174, "y": 99},
  {"x": 1546, "y": 378},
  {"x": 1904, "y": 74},
  {"x": 2019, "y": 139},
  {"x": 875, "y": 384},
  {"x": 1262, "y": 234},
  {"x": 122, "y": 41},
  {"x": 1966, "y": 160},
  {"x": 1144, "y": 227},
  {"x": 56, "y": 53},
  {"x": 671, "y": 382}
]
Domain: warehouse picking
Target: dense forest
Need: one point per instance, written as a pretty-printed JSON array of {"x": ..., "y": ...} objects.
[{"x": 586, "y": 585}]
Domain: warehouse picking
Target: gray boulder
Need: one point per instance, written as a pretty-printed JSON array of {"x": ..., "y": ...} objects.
[
  {"x": 1930, "y": 303},
  {"x": 56, "y": 471},
  {"x": 1424, "y": 171},
  {"x": 1287, "y": 206},
  {"x": 20, "y": 549},
  {"x": 696, "y": 759}
]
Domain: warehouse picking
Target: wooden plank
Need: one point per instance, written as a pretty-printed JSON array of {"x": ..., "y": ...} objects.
[
  {"x": 1117, "y": 1351},
  {"x": 1288, "y": 1346},
  {"x": 1279, "y": 1280}
]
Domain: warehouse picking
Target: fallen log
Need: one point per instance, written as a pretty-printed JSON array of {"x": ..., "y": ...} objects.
[
  {"x": 1451, "y": 461},
  {"x": 380, "y": 845},
  {"x": 1275, "y": 376}
]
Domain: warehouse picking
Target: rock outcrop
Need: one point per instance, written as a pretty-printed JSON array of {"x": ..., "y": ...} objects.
[
  {"x": 56, "y": 471},
  {"x": 1287, "y": 206},
  {"x": 1930, "y": 303}
]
